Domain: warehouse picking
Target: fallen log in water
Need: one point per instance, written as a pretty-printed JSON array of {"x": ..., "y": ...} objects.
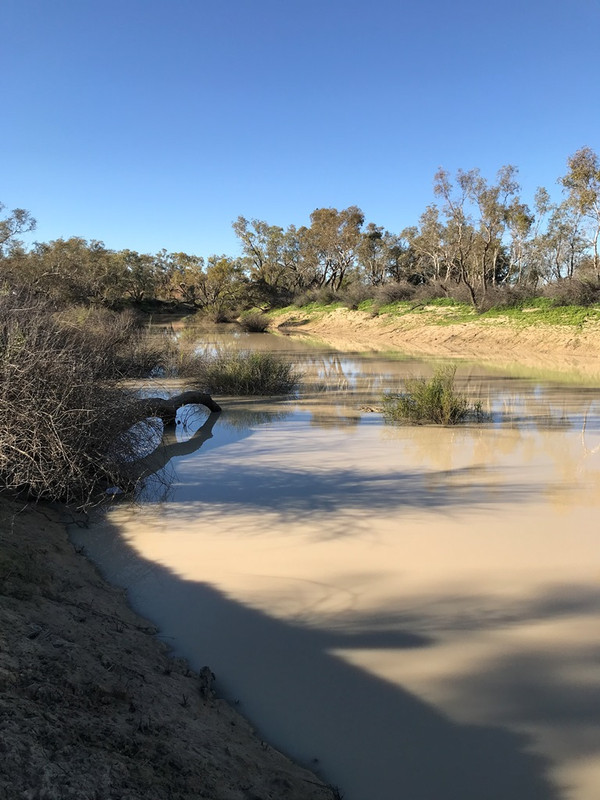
[{"x": 167, "y": 409}]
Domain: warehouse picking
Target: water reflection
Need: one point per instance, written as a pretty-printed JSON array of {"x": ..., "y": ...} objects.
[{"x": 416, "y": 606}]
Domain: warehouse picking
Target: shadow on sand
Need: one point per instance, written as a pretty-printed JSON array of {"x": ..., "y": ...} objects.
[{"x": 374, "y": 739}]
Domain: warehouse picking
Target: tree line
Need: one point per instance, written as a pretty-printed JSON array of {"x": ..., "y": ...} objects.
[{"x": 476, "y": 238}]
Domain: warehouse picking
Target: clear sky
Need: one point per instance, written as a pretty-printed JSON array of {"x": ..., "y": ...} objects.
[{"x": 155, "y": 123}]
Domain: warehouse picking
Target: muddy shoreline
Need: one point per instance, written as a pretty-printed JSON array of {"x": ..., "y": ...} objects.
[{"x": 91, "y": 703}]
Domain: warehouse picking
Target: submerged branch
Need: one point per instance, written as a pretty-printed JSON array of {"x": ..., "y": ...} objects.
[{"x": 167, "y": 409}]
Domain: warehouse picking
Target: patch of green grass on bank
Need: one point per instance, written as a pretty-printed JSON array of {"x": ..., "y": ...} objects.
[
  {"x": 453, "y": 311},
  {"x": 545, "y": 311},
  {"x": 368, "y": 306},
  {"x": 431, "y": 401}
]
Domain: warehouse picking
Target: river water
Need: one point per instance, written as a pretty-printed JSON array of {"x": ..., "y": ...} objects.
[{"x": 411, "y": 611}]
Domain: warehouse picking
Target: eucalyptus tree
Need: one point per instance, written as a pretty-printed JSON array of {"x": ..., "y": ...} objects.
[
  {"x": 186, "y": 277},
  {"x": 519, "y": 222},
  {"x": 12, "y": 225},
  {"x": 221, "y": 286},
  {"x": 377, "y": 254},
  {"x": 139, "y": 275},
  {"x": 427, "y": 241},
  {"x": 564, "y": 242},
  {"x": 330, "y": 245},
  {"x": 272, "y": 258},
  {"x": 459, "y": 233},
  {"x": 77, "y": 271},
  {"x": 582, "y": 184},
  {"x": 494, "y": 204}
]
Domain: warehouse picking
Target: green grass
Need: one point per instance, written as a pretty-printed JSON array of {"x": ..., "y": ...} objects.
[
  {"x": 537, "y": 311},
  {"x": 431, "y": 401},
  {"x": 546, "y": 312},
  {"x": 240, "y": 373}
]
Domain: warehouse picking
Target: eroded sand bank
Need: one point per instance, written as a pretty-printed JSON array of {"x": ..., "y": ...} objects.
[{"x": 554, "y": 347}]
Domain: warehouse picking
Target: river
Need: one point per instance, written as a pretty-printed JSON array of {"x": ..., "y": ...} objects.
[{"x": 411, "y": 611}]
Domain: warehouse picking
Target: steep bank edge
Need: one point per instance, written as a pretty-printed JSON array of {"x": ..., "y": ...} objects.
[{"x": 498, "y": 339}]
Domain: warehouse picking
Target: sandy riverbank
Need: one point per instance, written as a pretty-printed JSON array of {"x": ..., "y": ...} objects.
[
  {"x": 566, "y": 348},
  {"x": 91, "y": 706}
]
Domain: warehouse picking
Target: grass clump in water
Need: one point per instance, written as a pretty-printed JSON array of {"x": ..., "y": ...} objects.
[
  {"x": 431, "y": 401},
  {"x": 241, "y": 372}
]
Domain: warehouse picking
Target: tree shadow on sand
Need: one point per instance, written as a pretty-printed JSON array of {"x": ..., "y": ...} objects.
[{"x": 367, "y": 735}]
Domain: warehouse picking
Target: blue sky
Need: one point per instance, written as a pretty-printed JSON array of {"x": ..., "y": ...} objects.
[{"x": 155, "y": 123}]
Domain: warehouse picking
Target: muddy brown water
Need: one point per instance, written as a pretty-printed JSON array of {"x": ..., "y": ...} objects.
[{"x": 411, "y": 611}]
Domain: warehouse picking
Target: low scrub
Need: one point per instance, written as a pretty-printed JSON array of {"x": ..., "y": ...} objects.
[
  {"x": 131, "y": 350},
  {"x": 65, "y": 425},
  {"x": 254, "y": 322},
  {"x": 431, "y": 401},
  {"x": 240, "y": 373}
]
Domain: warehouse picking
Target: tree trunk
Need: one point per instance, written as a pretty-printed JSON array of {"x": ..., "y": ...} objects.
[{"x": 167, "y": 409}]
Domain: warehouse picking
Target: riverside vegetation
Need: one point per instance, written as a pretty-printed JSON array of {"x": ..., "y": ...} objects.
[
  {"x": 432, "y": 401},
  {"x": 479, "y": 250},
  {"x": 69, "y": 426}
]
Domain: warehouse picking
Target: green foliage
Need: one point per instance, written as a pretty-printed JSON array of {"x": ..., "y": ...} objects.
[
  {"x": 431, "y": 401},
  {"x": 240, "y": 373}
]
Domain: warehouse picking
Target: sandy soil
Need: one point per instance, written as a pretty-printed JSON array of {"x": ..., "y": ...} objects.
[
  {"x": 560, "y": 347},
  {"x": 91, "y": 706}
]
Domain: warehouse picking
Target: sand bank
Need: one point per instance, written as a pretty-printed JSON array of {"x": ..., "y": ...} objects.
[
  {"x": 426, "y": 332},
  {"x": 91, "y": 705}
]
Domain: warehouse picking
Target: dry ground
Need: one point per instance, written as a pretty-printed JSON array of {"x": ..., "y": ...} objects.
[{"x": 91, "y": 706}]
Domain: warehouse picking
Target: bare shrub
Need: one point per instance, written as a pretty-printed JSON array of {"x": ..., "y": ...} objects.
[
  {"x": 394, "y": 292},
  {"x": 65, "y": 427},
  {"x": 323, "y": 296},
  {"x": 133, "y": 351},
  {"x": 432, "y": 290},
  {"x": 505, "y": 297},
  {"x": 355, "y": 294},
  {"x": 574, "y": 292}
]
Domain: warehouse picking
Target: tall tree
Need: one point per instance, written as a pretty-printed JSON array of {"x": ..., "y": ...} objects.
[
  {"x": 331, "y": 244},
  {"x": 14, "y": 223},
  {"x": 582, "y": 184}
]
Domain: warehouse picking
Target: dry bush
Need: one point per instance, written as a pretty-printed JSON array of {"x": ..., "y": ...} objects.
[
  {"x": 355, "y": 294},
  {"x": 574, "y": 292},
  {"x": 501, "y": 297},
  {"x": 322, "y": 296},
  {"x": 134, "y": 351},
  {"x": 394, "y": 292},
  {"x": 65, "y": 425}
]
